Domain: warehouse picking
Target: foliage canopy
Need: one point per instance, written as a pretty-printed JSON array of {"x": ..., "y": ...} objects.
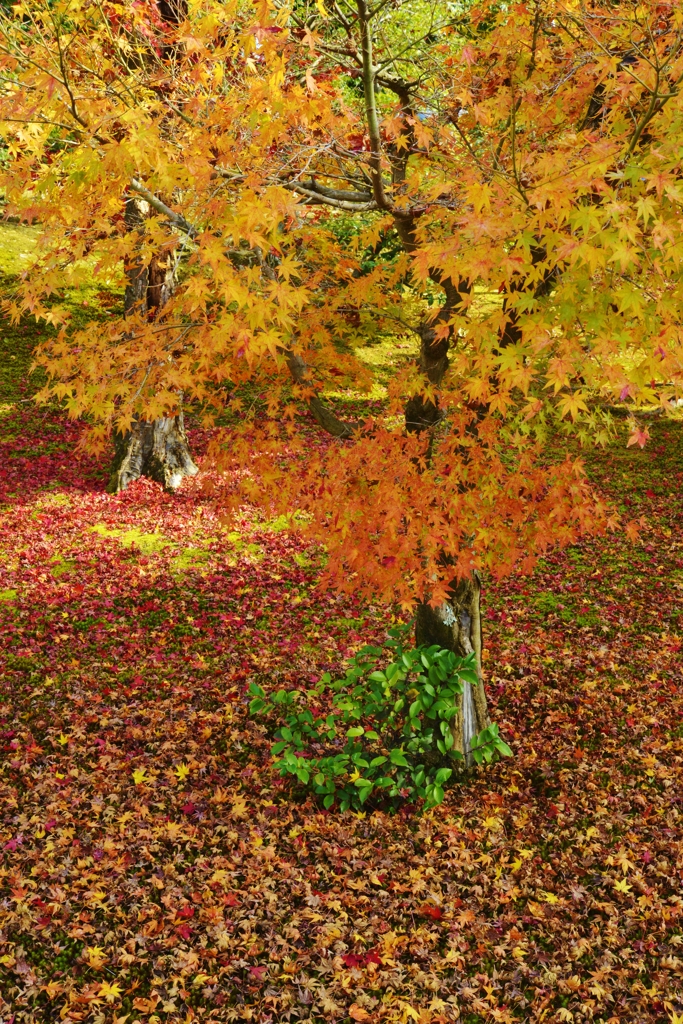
[{"x": 500, "y": 183}]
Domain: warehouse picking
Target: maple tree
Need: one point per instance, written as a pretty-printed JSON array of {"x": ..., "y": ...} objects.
[
  {"x": 500, "y": 185},
  {"x": 153, "y": 864}
]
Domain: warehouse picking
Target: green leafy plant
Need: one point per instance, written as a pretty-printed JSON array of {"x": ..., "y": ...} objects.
[{"x": 385, "y": 733}]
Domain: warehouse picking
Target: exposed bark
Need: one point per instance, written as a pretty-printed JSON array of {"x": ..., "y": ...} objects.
[
  {"x": 456, "y": 625},
  {"x": 511, "y": 332},
  {"x": 157, "y": 449},
  {"x": 423, "y": 413},
  {"x": 323, "y": 415},
  {"x": 136, "y": 270},
  {"x": 160, "y": 282}
]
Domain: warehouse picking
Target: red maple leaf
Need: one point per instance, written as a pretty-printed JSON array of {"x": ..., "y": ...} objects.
[{"x": 429, "y": 910}]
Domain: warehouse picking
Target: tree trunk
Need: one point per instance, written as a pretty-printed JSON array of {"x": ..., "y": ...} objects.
[
  {"x": 456, "y": 625},
  {"x": 422, "y": 413},
  {"x": 156, "y": 449}
]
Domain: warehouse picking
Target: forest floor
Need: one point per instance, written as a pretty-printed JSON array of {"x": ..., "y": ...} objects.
[{"x": 153, "y": 869}]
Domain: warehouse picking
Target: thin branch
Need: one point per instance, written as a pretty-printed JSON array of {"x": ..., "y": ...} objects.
[
  {"x": 353, "y": 202},
  {"x": 161, "y": 207},
  {"x": 369, "y": 72},
  {"x": 320, "y": 198}
]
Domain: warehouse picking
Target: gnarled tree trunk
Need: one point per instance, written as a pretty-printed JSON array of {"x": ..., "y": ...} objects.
[{"x": 156, "y": 449}]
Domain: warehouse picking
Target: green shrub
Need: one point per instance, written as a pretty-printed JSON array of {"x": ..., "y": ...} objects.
[{"x": 385, "y": 733}]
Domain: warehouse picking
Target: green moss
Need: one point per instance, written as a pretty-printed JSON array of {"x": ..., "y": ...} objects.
[
  {"x": 190, "y": 558},
  {"x": 279, "y": 525},
  {"x": 53, "y": 501},
  {"x": 546, "y": 602},
  {"x": 146, "y": 543},
  {"x": 255, "y": 550},
  {"x": 8, "y": 595},
  {"x": 105, "y": 531},
  {"x": 17, "y": 248},
  {"x": 62, "y": 566}
]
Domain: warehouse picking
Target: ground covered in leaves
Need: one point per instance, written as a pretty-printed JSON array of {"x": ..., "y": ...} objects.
[{"x": 153, "y": 869}]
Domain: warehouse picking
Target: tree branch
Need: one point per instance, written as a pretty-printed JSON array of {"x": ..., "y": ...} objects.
[
  {"x": 369, "y": 72},
  {"x": 175, "y": 218},
  {"x": 323, "y": 416}
]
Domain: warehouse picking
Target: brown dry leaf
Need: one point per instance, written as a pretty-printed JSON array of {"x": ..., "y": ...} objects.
[{"x": 357, "y": 1012}]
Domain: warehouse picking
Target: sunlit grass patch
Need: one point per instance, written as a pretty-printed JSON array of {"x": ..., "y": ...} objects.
[{"x": 384, "y": 356}]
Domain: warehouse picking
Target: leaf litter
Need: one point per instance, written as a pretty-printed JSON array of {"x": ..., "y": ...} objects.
[{"x": 154, "y": 868}]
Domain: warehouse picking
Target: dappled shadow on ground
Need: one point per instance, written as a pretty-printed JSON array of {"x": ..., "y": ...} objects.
[
  {"x": 152, "y": 864},
  {"x": 38, "y": 456}
]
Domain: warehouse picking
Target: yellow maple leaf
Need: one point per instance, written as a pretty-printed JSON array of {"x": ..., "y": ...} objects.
[
  {"x": 139, "y": 775},
  {"x": 95, "y": 956},
  {"x": 110, "y": 992},
  {"x": 408, "y": 1012},
  {"x": 182, "y": 771},
  {"x": 623, "y": 886},
  {"x": 571, "y": 405},
  {"x": 239, "y": 807},
  {"x": 625, "y": 864}
]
